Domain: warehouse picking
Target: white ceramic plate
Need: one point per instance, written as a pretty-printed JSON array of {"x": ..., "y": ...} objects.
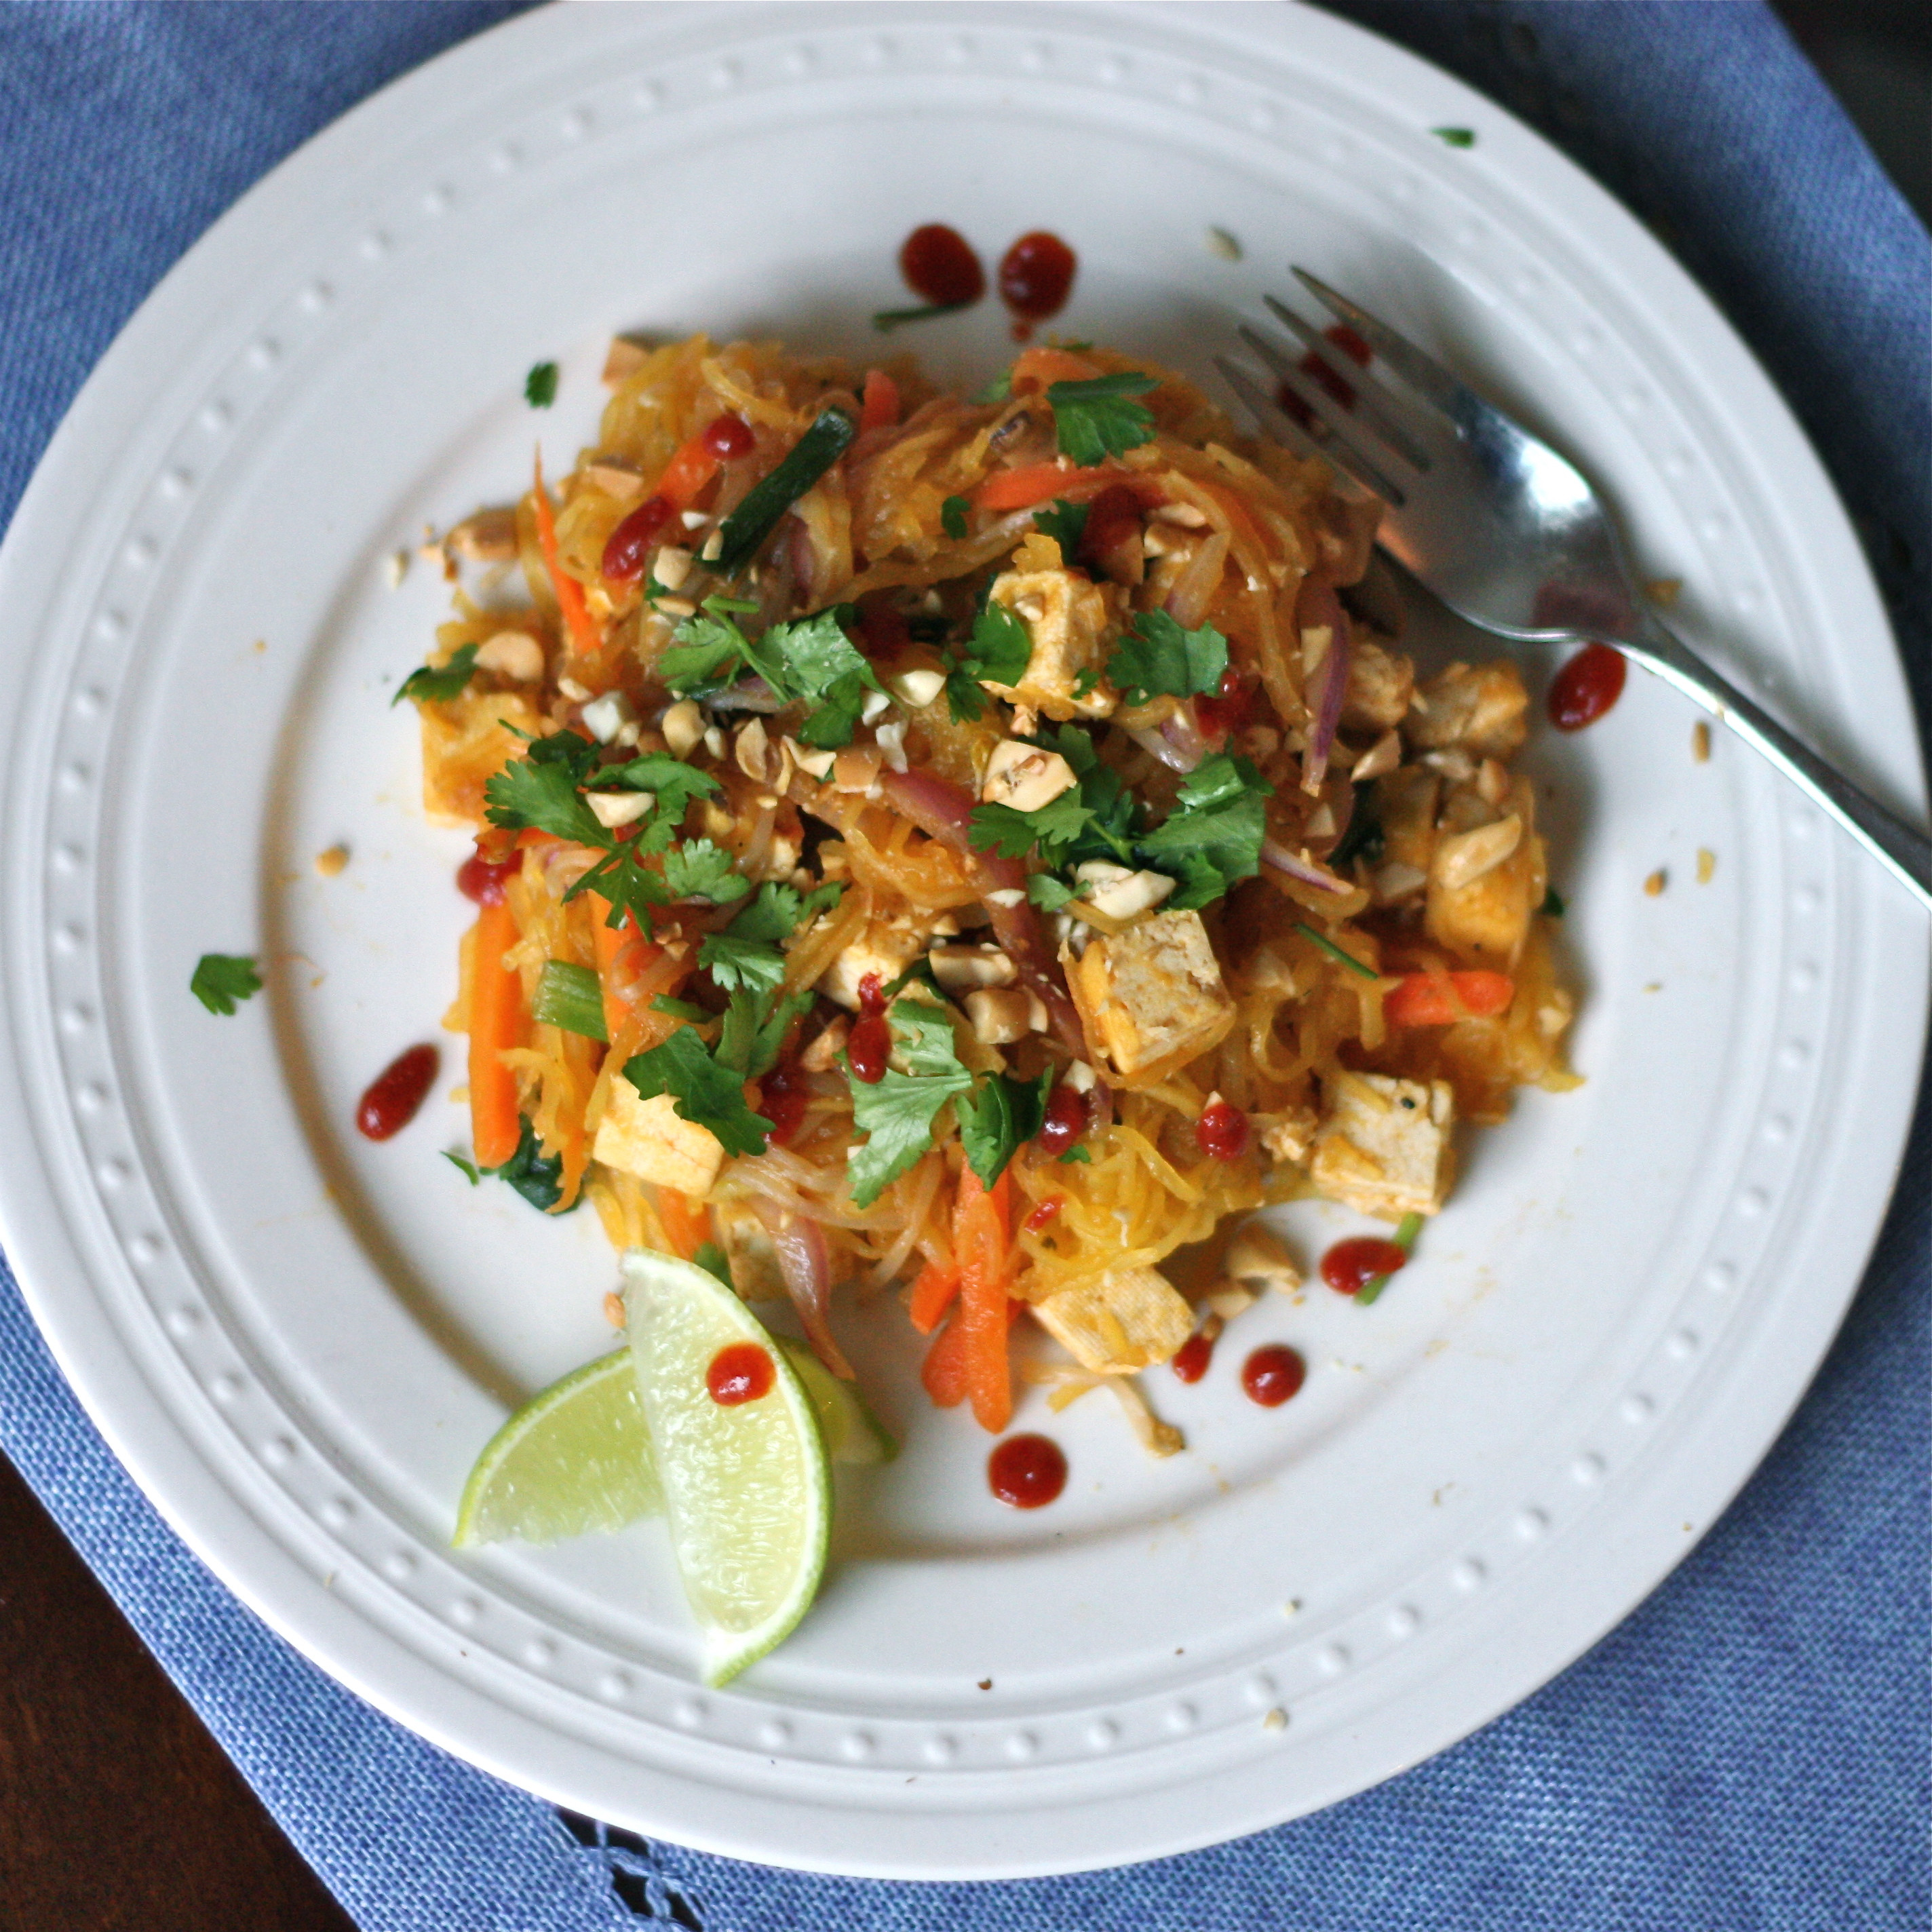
[{"x": 297, "y": 1341}]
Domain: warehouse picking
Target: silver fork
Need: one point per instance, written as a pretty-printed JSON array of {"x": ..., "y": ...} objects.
[{"x": 1510, "y": 536}]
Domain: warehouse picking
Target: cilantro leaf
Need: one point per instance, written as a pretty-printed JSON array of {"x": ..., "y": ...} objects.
[
  {"x": 997, "y": 390},
  {"x": 220, "y": 980},
  {"x": 1065, "y": 523},
  {"x": 836, "y": 718},
  {"x": 754, "y": 1031},
  {"x": 1096, "y": 419},
  {"x": 702, "y": 869},
  {"x": 1213, "y": 835},
  {"x": 713, "y": 1260},
  {"x": 952, "y": 517},
  {"x": 1003, "y": 1114},
  {"x": 964, "y": 698},
  {"x": 702, "y": 1091},
  {"x": 814, "y": 654},
  {"x": 621, "y": 877},
  {"x": 466, "y": 1168},
  {"x": 1455, "y": 137},
  {"x": 536, "y": 1176},
  {"x": 1001, "y": 646},
  {"x": 1047, "y": 893},
  {"x": 706, "y": 653},
  {"x": 527, "y": 792},
  {"x": 755, "y": 964},
  {"x": 540, "y": 386},
  {"x": 896, "y": 1112},
  {"x": 1158, "y": 658},
  {"x": 1084, "y": 683},
  {"x": 673, "y": 783},
  {"x": 435, "y": 684},
  {"x": 1013, "y": 835}
]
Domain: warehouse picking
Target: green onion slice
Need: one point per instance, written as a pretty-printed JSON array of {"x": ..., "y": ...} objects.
[
  {"x": 1406, "y": 1231},
  {"x": 801, "y": 466},
  {"x": 1329, "y": 947},
  {"x": 569, "y": 997}
]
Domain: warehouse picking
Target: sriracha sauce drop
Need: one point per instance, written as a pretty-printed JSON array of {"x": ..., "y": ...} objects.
[
  {"x": 1586, "y": 687},
  {"x": 1066, "y": 1119},
  {"x": 869, "y": 1049},
  {"x": 739, "y": 1372},
  {"x": 1037, "y": 276},
  {"x": 1221, "y": 1132},
  {"x": 482, "y": 880},
  {"x": 1026, "y": 1471},
  {"x": 1271, "y": 1375},
  {"x": 1348, "y": 1267},
  {"x": 395, "y": 1094},
  {"x": 1191, "y": 1358},
  {"x": 782, "y": 1100},
  {"x": 939, "y": 265},
  {"x": 729, "y": 436}
]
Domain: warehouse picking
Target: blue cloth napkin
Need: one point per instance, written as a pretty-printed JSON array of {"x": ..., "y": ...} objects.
[{"x": 1749, "y": 1749}]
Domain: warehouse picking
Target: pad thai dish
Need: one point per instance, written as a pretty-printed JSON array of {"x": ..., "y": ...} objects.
[{"x": 938, "y": 857}]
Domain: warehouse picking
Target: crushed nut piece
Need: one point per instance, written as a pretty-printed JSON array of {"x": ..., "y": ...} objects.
[
  {"x": 1700, "y": 741},
  {"x": 329, "y": 864},
  {"x": 1654, "y": 886},
  {"x": 1707, "y": 865}
]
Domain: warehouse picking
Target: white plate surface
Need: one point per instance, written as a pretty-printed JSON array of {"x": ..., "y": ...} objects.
[{"x": 297, "y": 1341}]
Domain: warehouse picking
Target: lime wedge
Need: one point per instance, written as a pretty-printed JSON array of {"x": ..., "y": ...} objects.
[
  {"x": 575, "y": 1457},
  {"x": 852, "y": 1433},
  {"x": 747, "y": 1489}
]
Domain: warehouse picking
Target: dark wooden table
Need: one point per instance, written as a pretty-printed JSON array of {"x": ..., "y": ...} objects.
[{"x": 118, "y": 1812}]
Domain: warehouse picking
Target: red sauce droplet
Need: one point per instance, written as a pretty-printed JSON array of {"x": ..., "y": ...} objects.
[
  {"x": 882, "y": 631},
  {"x": 1351, "y": 346},
  {"x": 1586, "y": 687},
  {"x": 1222, "y": 1132},
  {"x": 1271, "y": 1375},
  {"x": 783, "y": 1098},
  {"x": 1037, "y": 276},
  {"x": 631, "y": 541},
  {"x": 1066, "y": 1119},
  {"x": 482, "y": 880},
  {"x": 940, "y": 266},
  {"x": 1227, "y": 710},
  {"x": 739, "y": 1372},
  {"x": 1042, "y": 1215},
  {"x": 396, "y": 1093},
  {"x": 1191, "y": 1358},
  {"x": 869, "y": 1048},
  {"x": 729, "y": 436},
  {"x": 1113, "y": 521},
  {"x": 1348, "y": 1267},
  {"x": 1027, "y": 1472}
]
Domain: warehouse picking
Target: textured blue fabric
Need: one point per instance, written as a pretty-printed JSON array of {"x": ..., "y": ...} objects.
[{"x": 1749, "y": 1749}]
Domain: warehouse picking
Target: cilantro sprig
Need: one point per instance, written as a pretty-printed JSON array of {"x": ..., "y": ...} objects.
[
  {"x": 1213, "y": 835},
  {"x": 540, "y": 385},
  {"x": 998, "y": 652},
  {"x": 1002, "y": 1116},
  {"x": 1096, "y": 419},
  {"x": 1157, "y": 657},
  {"x": 809, "y": 662},
  {"x": 1065, "y": 523},
  {"x": 896, "y": 1112},
  {"x": 702, "y": 1089},
  {"x": 437, "y": 684}
]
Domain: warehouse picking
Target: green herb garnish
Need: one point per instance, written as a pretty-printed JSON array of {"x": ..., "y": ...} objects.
[
  {"x": 801, "y": 467},
  {"x": 1334, "y": 952},
  {"x": 1213, "y": 835},
  {"x": 1553, "y": 906},
  {"x": 1407, "y": 1229},
  {"x": 1065, "y": 523},
  {"x": 702, "y": 1090},
  {"x": 536, "y": 1176},
  {"x": 1096, "y": 419},
  {"x": 1455, "y": 137},
  {"x": 896, "y": 1112},
  {"x": 540, "y": 386},
  {"x": 1003, "y": 1114},
  {"x": 885, "y": 320},
  {"x": 569, "y": 997},
  {"x": 952, "y": 517},
  {"x": 222, "y": 979},
  {"x": 437, "y": 684},
  {"x": 1158, "y": 658}
]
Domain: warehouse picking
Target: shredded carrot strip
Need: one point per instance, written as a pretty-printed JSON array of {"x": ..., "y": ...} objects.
[
  {"x": 687, "y": 1224},
  {"x": 1440, "y": 999},
  {"x": 879, "y": 405},
  {"x": 496, "y": 1023},
  {"x": 1035, "y": 482},
  {"x": 694, "y": 466},
  {"x": 943, "y": 1373},
  {"x": 933, "y": 1293},
  {"x": 980, "y": 1220},
  {"x": 577, "y": 618},
  {"x": 1041, "y": 368}
]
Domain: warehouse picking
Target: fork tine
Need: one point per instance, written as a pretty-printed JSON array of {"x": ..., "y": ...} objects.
[
  {"x": 1346, "y": 435},
  {"x": 1401, "y": 354},
  {"x": 1276, "y": 422},
  {"x": 1373, "y": 402}
]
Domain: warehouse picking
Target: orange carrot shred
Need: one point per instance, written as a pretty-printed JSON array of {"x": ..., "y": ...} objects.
[
  {"x": 577, "y": 617},
  {"x": 496, "y": 1024}
]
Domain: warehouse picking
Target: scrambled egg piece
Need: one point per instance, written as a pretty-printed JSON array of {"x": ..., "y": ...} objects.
[
  {"x": 1154, "y": 994},
  {"x": 1067, "y": 618},
  {"x": 647, "y": 1138},
  {"x": 1121, "y": 1323},
  {"x": 1384, "y": 1147}
]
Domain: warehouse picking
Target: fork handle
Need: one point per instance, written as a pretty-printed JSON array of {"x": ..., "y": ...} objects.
[{"x": 1908, "y": 853}]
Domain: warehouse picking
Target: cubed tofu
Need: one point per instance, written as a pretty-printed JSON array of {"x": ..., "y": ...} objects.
[
  {"x": 886, "y": 947},
  {"x": 465, "y": 743},
  {"x": 1123, "y": 1322},
  {"x": 1486, "y": 922},
  {"x": 1384, "y": 1144},
  {"x": 1153, "y": 995},
  {"x": 1066, "y": 617},
  {"x": 1380, "y": 685},
  {"x": 1478, "y": 708},
  {"x": 647, "y": 1138}
]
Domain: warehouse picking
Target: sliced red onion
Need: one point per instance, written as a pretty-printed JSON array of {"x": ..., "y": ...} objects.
[
  {"x": 1317, "y": 606},
  {"x": 1306, "y": 870},
  {"x": 748, "y": 694},
  {"x": 806, "y": 1266},
  {"x": 1178, "y": 743}
]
